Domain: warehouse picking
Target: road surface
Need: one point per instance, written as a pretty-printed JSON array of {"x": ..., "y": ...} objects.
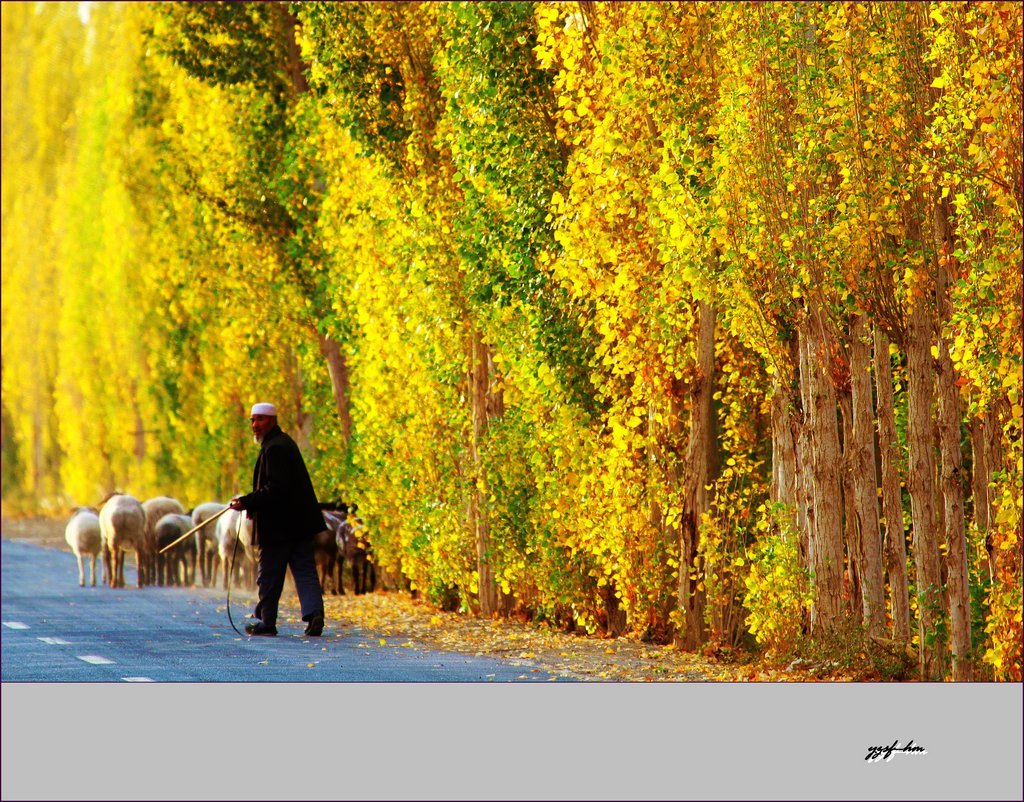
[{"x": 55, "y": 631}]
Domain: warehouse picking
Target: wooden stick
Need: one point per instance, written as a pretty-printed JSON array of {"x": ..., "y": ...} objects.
[{"x": 194, "y": 529}]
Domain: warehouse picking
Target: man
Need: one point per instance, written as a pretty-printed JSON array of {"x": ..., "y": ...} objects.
[{"x": 285, "y": 515}]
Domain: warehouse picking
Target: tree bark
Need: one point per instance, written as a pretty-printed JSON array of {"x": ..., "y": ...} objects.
[
  {"x": 952, "y": 463},
  {"x": 853, "y": 589},
  {"x": 697, "y": 477},
  {"x": 485, "y": 405},
  {"x": 788, "y": 450},
  {"x": 980, "y": 472},
  {"x": 821, "y": 459},
  {"x": 892, "y": 501},
  {"x": 330, "y": 349},
  {"x": 987, "y": 457},
  {"x": 865, "y": 485},
  {"x": 337, "y": 368},
  {"x": 784, "y": 463},
  {"x": 296, "y": 66},
  {"x": 921, "y": 484},
  {"x": 787, "y": 486}
]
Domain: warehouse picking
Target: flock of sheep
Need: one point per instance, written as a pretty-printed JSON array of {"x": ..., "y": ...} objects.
[
  {"x": 223, "y": 546},
  {"x": 123, "y": 523}
]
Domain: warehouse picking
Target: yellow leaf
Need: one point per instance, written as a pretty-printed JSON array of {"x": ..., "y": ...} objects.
[
  {"x": 940, "y": 82},
  {"x": 383, "y": 642},
  {"x": 309, "y": 665}
]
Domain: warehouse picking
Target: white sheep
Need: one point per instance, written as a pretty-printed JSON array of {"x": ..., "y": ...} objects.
[
  {"x": 228, "y": 529},
  {"x": 123, "y": 528},
  {"x": 83, "y": 535},
  {"x": 176, "y": 566},
  {"x": 207, "y": 547},
  {"x": 155, "y": 509}
]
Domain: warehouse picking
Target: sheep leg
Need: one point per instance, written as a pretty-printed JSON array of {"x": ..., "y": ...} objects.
[
  {"x": 202, "y": 562},
  {"x": 92, "y": 565},
  {"x": 107, "y": 573},
  {"x": 81, "y": 571}
]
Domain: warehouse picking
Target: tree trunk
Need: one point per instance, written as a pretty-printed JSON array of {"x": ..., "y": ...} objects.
[
  {"x": 979, "y": 474},
  {"x": 330, "y": 349},
  {"x": 788, "y": 450},
  {"x": 821, "y": 458},
  {"x": 892, "y": 502},
  {"x": 921, "y": 484},
  {"x": 697, "y": 477},
  {"x": 303, "y": 418},
  {"x": 986, "y": 459},
  {"x": 296, "y": 66},
  {"x": 484, "y": 406},
  {"x": 337, "y": 368},
  {"x": 851, "y": 531},
  {"x": 952, "y": 465},
  {"x": 865, "y": 485},
  {"x": 787, "y": 485},
  {"x": 784, "y": 464}
]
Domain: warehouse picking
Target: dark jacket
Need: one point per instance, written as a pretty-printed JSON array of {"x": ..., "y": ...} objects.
[{"x": 283, "y": 505}]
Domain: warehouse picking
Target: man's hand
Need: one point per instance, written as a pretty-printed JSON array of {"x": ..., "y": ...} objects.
[{"x": 236, "y": 504}]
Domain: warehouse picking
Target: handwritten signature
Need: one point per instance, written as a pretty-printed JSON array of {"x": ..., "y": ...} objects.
[{"x": 876, "y": 752}]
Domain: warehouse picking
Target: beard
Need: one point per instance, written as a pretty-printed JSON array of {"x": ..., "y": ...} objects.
[{"x": 257, "y": 439}]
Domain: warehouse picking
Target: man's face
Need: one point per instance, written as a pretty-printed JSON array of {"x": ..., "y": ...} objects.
[{"x": 261, "y": 424}]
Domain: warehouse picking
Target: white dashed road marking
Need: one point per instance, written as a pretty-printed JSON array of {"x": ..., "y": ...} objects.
[
  {"x": 15, "y": 625},
  {"x": 95, "y": 659},
  {"x": 137, "y": 679},
  {"x": 56, "y": 641}
]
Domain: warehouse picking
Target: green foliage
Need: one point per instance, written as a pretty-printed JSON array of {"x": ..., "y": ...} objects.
[
  {"x": 777, "y": 594},
  {"x": 849, "y": 651}
]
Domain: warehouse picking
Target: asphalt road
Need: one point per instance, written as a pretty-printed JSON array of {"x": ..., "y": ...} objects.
[{"x": 55, "y": 631}]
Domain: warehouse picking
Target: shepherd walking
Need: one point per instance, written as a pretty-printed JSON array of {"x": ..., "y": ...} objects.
[{"x": 286, "y": 514}]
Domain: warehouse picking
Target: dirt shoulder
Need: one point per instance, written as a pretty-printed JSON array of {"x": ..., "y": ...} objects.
[
  {"x": 397, "y": 620},
  {"x": 47, "y": 532}
]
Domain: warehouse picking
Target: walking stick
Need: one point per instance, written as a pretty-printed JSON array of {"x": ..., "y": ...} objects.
[{"x": 193, "y": 529}]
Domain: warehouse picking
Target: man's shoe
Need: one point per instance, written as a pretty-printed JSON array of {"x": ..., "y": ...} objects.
[
  {"x": 315, "y": 627},
  {"x": 259, "y": 628}
]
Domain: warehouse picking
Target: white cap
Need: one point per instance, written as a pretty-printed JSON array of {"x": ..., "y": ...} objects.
[{"x": 264, "y": 409}]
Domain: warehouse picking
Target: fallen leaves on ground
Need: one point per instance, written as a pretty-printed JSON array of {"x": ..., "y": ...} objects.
[{"x": 394, "y": 620}]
